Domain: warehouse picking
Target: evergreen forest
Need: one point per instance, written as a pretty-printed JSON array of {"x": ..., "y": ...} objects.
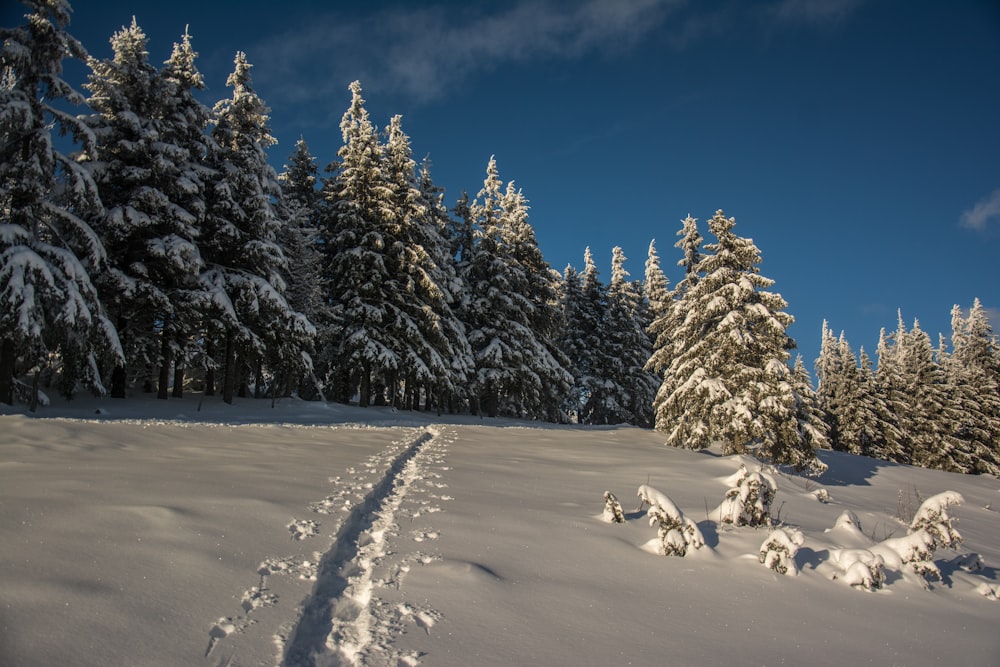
[{"x": 164, "y": 254}]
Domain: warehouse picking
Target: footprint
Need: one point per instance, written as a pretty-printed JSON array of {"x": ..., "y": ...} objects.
[{"x": 303, "y": 528}]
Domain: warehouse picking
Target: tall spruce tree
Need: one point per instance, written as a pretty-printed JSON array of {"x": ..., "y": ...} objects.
[
  {"x": 634, "y": 388},
  {"x": 925, "y": 416},
  {"x": 428, "y": 339},
  {"x": 511, "y": 310},
  {"x": 974, "y": 394},
  {"x": 149, "y": 138},
  {"x": 49, "y": 307},
  {"x": 596, "y": 364},
  {"x": 360, "y": 349},
  {"x": 729, "y": 378},
  {"x": 250, "y": 319},
  {"x": 299, "y": 238}
]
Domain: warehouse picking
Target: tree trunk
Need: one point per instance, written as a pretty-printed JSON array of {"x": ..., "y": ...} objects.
[
  {"x": 35, "y": 381},
  {"x": 366, "y": 386},
  {"x": 229, "y": 372},
  {"x": 210, "y": 368},
  {"x": 166, "y": 358},
  {"x": 7, "y": 360},
  {"x": 178, "y": 381}
]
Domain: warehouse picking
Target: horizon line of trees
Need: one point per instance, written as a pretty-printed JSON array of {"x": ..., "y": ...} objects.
[{"x": 167, "y": 254}]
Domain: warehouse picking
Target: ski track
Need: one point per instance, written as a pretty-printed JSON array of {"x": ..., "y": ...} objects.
[{"x": 344, "y": 621}]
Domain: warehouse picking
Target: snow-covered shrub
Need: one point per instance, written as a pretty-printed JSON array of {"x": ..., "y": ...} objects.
[
  {"x": 676, "y": 531},
  {"x": 822, "y": 495},
  {"x": 933, "y": 517},
  {"x": 748, "y": 501},
  {"x": 612, "y": 509},
  {"x": 861, "y": 568},
  {"x": 779, "y": 549},
  {"x": 930, "y": 530}
]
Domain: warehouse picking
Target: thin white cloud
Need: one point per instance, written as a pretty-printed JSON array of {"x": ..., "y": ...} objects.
[
  {"x": 426, "y": 52},
  {"x": 983, "y": 213}
]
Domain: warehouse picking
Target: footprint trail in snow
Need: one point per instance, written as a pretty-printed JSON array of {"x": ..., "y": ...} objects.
[{"x": 345, "y": 621}]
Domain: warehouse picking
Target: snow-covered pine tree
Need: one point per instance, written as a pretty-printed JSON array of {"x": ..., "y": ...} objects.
[
  {"x": 812, "y": 425},
  {"x": 690, "y": 245},
  {"x": 973, "y": 393},
  {"x": 443, "y": 245},
  {"x": 633, "y": 386},
  {"x": 926, "y": 415},
  {"x": 299, "y": 239},
  {"x": 572, "y": 342},
  {"x": 548, "y": 381},
  {"x": 360, "y": 348},
  {"x": 428, "y": 339},
  {"x": 729, "y": 378},
  {"x": 150, "y": 141},
  {"x": 49, "y": 307},
  {"x": 655, "y": 286},
  {"x": 511, "y": 309},
  {"x": 661, "y": 328},
  {"x": 595, "y": 364},
  {"x": 249, "y": 317},
  {"x": 890, "y": 387},
  {"x": 830, "y": 380}
]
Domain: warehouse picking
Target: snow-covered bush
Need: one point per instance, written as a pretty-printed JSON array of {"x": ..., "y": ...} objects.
[
  {"x": 612, "y": 509},
  {"x": 930, "y": 530},
  {"x": 822, "y": 495},
  {"x": 748, "y": 501},
  {"x": 676, "y": 531},
  {"x": 861, "y": 568},
  {"x": 779, "y": 549},
  {"x": 933, "y": 517}
]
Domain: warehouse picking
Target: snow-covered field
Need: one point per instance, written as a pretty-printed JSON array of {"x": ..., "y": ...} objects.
[{"x": 186, "y": 533}]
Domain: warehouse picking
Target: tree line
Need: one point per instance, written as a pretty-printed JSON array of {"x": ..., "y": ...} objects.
[{"x": 165, "y": 253}]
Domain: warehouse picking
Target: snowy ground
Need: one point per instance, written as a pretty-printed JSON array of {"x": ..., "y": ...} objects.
[{"x": 187, "y": 533}]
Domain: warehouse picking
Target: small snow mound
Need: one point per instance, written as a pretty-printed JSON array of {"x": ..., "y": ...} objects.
[
  {"x": 822, "y": 495},
  {"x": 988, "y": 591},
  {"x": 848, "y": 520},
  {"x": 861, "y": 567},
  {"x": 779, "y": 549}
]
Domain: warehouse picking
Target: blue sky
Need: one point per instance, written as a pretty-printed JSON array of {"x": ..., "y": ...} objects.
[{"x": 857, "y": 142}]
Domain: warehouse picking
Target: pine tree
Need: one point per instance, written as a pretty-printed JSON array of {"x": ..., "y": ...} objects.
[
  {"x": 808, "y": 414},
  {"x": 729, "y": 379},
  {"x": 926, "y": 416},
  {"x": 595, "y": 363},
  {"x": 442, "y": 245},
  {"x": 655, "y": 287},
  {"x": 889, "y": 384},
  {"x": 573, "y": 343},
  {"x": 48, "y": 252},
  {"x": 665, "y": 318},
  {"x": 360, "y": 349},
  {"x": 299, "y": 239},
  {"x": 429, "y": 340},
  {"x": 249, "y": 315},
  {"x": 690, "y": 245},
  {"x": 879, "y": 433},
  {"x": 511, "y": 310},
  {"x": 634, "y": 388},
  {"x": 149, "y": 132},
  {"x": 973, "y": 389}
]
